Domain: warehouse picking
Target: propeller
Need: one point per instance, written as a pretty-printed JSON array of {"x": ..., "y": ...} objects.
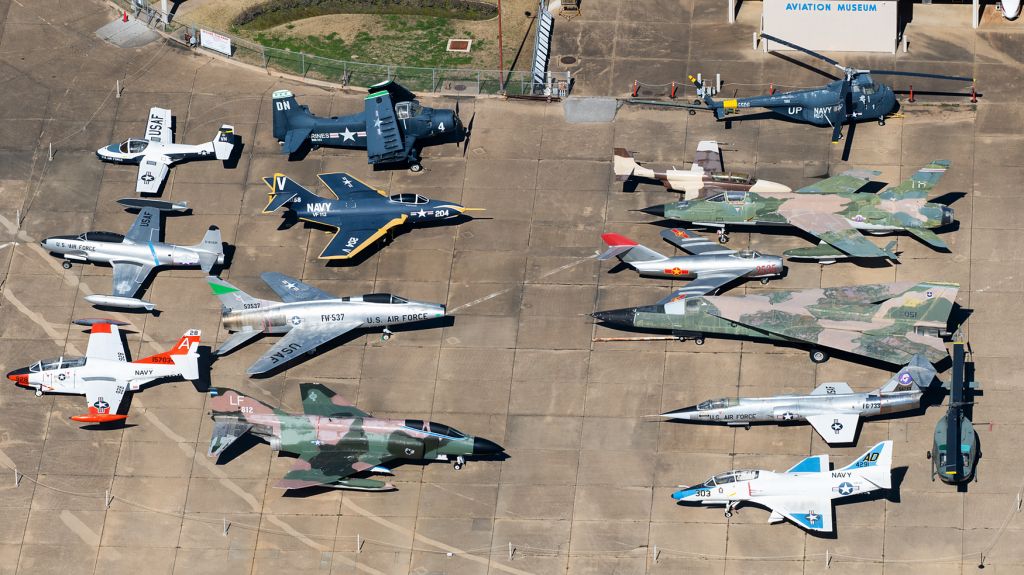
[{"x": 469, "y": 132}]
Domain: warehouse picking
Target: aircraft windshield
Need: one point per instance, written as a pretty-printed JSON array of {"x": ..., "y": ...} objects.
[
  {"x": 431, "y": 427},
  {"x": 748, "y": 254},
  {"x": 732, "y": 477},
  {"x": 383, "y": 298},
  {"x": 130, "y": 146},
  {"x": 717, "y": 198},
  {"x": 735, "y": 196},
  {"x": 57, "y": 363},
  {"x": 408, "y": 199},
  {"x": 717, "y": 403}
]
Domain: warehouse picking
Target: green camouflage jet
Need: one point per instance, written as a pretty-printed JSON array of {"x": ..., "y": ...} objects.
[
  {"x": 830, "y": 210},
  {"x": 335, "y": 441},
  {"x": 886, "y": 322}
]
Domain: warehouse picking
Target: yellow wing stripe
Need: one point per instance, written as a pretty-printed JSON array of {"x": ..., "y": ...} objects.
[{"x": 368, "y": 241}]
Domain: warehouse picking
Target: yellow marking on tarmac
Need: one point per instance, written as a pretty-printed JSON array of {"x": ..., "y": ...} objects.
[{"x": 90, "y": 537}]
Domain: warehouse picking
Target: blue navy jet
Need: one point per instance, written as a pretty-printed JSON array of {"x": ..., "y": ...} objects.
[
  {"x": 361, "y": 213},
  {"x": 392, "y": 128}
]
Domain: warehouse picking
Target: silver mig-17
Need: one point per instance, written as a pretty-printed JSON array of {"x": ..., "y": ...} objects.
[
  {"x": 833, "y": 409},
  {"x": 307, "y": 316},
  {"x": 709, "y": 268},
  {"x": 155, "y": 153},
  {"x": 135, "y": 255}
]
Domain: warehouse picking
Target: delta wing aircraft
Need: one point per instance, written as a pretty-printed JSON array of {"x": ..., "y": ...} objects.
[
  {"x": 359, "y": 213},
  {"x": 157, "y": 151},
  {"x": 393, "y": 126},
  {"x": 803, "y": 493},
  {"x": 336, "y": 442},
  {"x": 885, "y": 322},
  {"x": 135, "y": 255},
  {"x": 832, "y": 409},
  {"x": 104, "y": 375},
  {"x": 307, "y": 316},
  {"x": 831, "y": 211},
  {"x": 709, "y": 268},
  {"x": 706, "y": 175}
]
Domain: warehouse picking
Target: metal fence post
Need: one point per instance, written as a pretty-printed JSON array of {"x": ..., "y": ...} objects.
[{"x": 303, "y": 64}]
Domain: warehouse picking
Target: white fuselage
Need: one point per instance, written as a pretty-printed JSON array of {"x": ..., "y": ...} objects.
[
  {"x": 75, "y": 380},
  {"x": 828, "y": 485}
]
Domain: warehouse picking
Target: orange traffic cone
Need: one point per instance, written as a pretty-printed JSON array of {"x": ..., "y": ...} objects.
[{"x": 124, "y": 18}]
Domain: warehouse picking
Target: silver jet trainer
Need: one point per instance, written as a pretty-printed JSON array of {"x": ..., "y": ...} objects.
[
  {"x": 710, "y": 267},
  {"x": 832, "y": 409},
  {"x": 133, "y": 256},
  {"x": 308, "y": 316}
]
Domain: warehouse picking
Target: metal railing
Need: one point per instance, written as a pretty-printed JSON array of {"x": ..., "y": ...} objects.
[{"x": 346, "y": 73}]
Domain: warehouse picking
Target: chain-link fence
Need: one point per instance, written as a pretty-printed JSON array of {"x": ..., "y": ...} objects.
[{"x": 448, "y": 80}]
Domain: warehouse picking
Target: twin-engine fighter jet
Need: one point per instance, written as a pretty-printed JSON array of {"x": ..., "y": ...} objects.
[
  {"x": 885, "y": 322},
  {"x": 104, "y": 375},
  {"x": 710, "y": 267},
  {"x": 803, "y": 494},
  {"x": 307, "y": 316},
  {"x": 359, "y": 213},
  {"x": 833, "y": 409},
  {"x": 830, "y": 210},
  {"x": 335, "y": 441},
  {"x": 135, "y": 255},
  {"x": 157, "y": 151},
  {"x": 392, "y": 127},
  {"x": 706, "y": 175}
]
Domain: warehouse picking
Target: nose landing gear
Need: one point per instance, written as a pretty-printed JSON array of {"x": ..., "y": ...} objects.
[
  {"x": 386, "y": 335},
  {"x": 460, "y": 461}
]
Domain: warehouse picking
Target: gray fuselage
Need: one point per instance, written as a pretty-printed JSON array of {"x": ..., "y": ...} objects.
[
  {"x": 745, "y": 264},
  {"x": 108, "y": 247},
  {"x": 781, "y": 408},
  {"x": 277, "y": 318}
]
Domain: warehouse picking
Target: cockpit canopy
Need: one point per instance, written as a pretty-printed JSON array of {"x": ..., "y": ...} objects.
[
  {"x": 406, "y": 110},
  {"x": 109, "y": 237},
  {"x": 733, "y": 178},
  {"x": 408, "y": 199},
  {"x": 383, "y": 298},
  {"x": 57, "y": 363},
  {"x": 133, "y": 146},
  {"x": 729, "y": 196},
  {"x": 732, "y": 477},
  {"x": 435, "y": 428},
  {"x": 748, "y": 254},
  {"x": 717, "y": 403}
]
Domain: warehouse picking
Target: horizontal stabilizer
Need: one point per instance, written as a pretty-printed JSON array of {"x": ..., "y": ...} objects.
[
  {"x": 225, "y": 432},
  {"x": 929, "y": 237}
]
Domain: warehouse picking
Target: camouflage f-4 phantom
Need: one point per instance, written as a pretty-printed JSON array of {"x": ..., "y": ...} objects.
[
  {"x": 830, "y": 210},
  {"x": 335, "y": 441},
  {"x": 886, "y": 322}
]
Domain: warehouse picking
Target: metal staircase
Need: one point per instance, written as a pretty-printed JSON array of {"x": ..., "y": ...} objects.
[{"x": 542, "y": 48}]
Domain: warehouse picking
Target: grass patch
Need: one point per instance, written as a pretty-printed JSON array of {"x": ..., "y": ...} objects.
[{"x": 276, "y": 12}]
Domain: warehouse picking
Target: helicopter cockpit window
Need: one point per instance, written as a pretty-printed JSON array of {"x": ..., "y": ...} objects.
[
  {"x": 408, "y": 199},
  {"x": 735, "y": 196}
]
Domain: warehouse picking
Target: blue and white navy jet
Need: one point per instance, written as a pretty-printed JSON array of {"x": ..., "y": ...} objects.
[
  {"x": 157, "y": 151},
  {"x": 803, "y": 494}
]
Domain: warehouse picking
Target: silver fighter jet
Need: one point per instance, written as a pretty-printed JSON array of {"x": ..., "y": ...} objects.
[
  {"x": 307, "y": 316},
  {"x": 710, "y": 267},
  {"x": 135, "y": 254},
  {"x": 832, "y": 409}
]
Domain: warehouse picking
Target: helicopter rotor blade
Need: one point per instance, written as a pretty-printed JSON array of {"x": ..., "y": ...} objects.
[
  {"x": 805, "y": 51},
  {"x": 917, "y": 74}
]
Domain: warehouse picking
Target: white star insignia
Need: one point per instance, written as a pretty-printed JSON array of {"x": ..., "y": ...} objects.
[
  {"x": 421, "y": 213},
  {"x": 348, "y": 135}
]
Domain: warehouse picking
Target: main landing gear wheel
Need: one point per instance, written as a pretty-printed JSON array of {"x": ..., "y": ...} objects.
[
  {"x": 417, "y": 167},
  {"x": 460, "y": 461},
  {"x": 818, "y": 356},
  {"x": 39, "y": 393},
  {"x": 386, "y": 335},
  {"x": 723, "y": 237},
  {"x": 698, "y": 340},
  {"x": 881, "y": 121},
  {"x": 728, "y": 514},
  {"x": 764, "y": 281},
  {"x": 67, "y": 265}
]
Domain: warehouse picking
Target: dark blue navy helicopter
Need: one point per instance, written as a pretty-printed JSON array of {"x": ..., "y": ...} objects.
[{"x": 855, "y": 98}]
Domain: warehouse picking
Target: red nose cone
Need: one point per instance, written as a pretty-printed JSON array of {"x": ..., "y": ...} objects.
[{"x": 18, "y": 377}]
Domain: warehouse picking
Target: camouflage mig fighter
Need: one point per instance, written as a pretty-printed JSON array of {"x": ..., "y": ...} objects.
[
  {"x": 336, "y": 441},
  {"x": 885, "y": 322},
  {"x": 832, "y": 409},
  {"x": 710, "y": 267},
  {"x": 830, "y": 210},
  {"x": 706, "y": 175}
]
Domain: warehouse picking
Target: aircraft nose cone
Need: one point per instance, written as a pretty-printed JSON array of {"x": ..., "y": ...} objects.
[
  {"x": 683, "y": 413},
  {"x": 682, "y": 494},
  {"x": 483, "y": 446},
  {"x": 776, "y": 265},
  {"x": 623, "y": 316},
  {"x": 19, "y": 376},
  {"x": 655, "y": 210}
]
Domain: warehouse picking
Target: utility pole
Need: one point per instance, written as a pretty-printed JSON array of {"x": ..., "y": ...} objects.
[{"x": 501, "y": 54}]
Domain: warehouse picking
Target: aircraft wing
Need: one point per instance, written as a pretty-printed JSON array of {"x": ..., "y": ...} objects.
[
  {"x": 294, "y": 139},
  {"x": 345, "y": 186},
  {"x": 146, "y": 227},
  {"x": 383, "y": 138},
  {"x": 105, "y": 343},
  {"x": 299, "y": 341},
  {"x": 811, "y": 513},
  {"x": 129, "y": 277},
  {"x": 837, "y": 232},
  {"x": 158, "y": 128},
  {"x": 694, "y": 243},
  {"x": 326, "y": 464},
  {"x": 152, "y": 171},
  {"x": 846, "y": 182},
  {"x": 102, "y": 399},
  {"x": 291, "y": 290},
  {"x": 709, "y": 157},
  {"x": 835, "y": 427},
  {"x": 358, "y": 233},
  {"x": 703, "y": 285},
  {"x": 319, "y": 400},
  {"x": 929, "y": 237}
]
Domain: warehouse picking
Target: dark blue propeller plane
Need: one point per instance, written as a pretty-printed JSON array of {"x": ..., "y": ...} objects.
[
  {"x": 854, "y": 98},
  {"x": 393, "y": 127},
  {"x": 359, "y": 213}
]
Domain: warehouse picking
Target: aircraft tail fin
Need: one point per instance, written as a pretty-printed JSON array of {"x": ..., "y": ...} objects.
[
  {"x": 284, "y": 107},
  {"x": 224, "y": 142},
  {"x": 232, "y": 298},
  {"x": 627, "y": 250},
  {"x": 624, "y": 164},
  {"x": 917, "y": 374},
  {"x": 920, "y": 184},
  {"x": 283, "y": 191},
  {"x": 875, "y": 465},
  {"x": 183, "y": 355},
  {"x": 211, "y": 249}
]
